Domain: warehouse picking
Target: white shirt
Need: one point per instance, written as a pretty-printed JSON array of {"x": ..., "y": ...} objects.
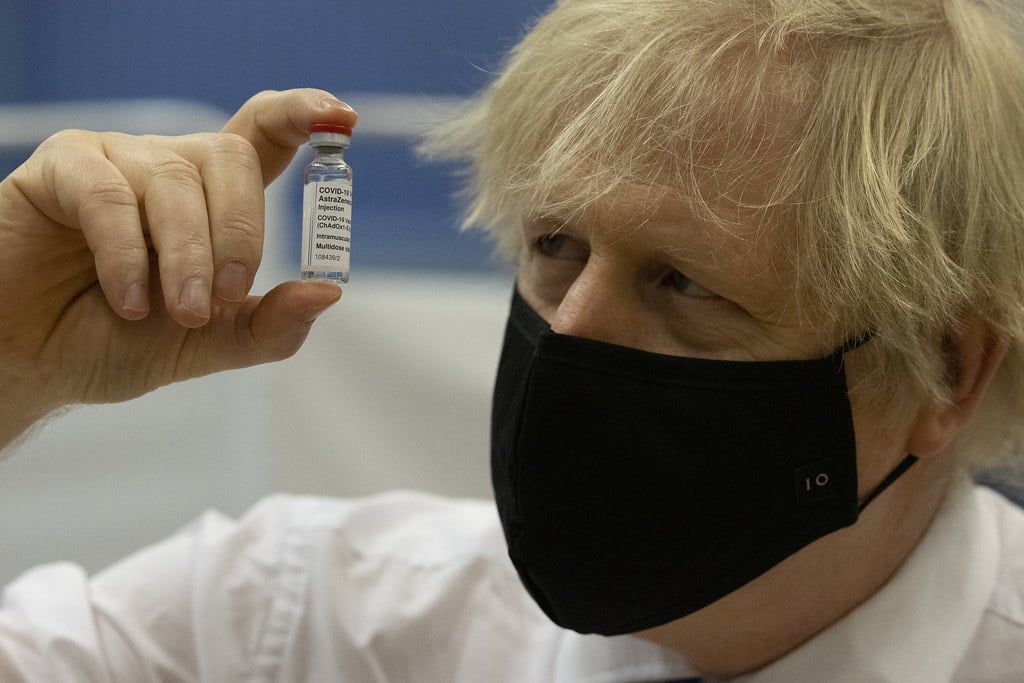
[{"x": 408, "y": 587}]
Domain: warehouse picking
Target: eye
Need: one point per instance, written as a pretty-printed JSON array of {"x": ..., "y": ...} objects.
[
  {"x": 559, "y": 246},
  {"x": 685, "y": 286}
]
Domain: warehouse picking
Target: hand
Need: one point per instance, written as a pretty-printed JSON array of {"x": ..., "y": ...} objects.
[{"x": 125, "y": 262}]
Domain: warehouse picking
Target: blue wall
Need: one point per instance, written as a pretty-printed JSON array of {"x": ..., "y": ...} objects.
[{"x": 223, "y": 52}]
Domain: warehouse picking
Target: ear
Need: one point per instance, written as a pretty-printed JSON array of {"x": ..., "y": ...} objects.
[{"x": 973, "y": 358}]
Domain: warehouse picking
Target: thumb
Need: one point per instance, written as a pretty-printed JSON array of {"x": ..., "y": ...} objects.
[{"x": 263, "y": 329}]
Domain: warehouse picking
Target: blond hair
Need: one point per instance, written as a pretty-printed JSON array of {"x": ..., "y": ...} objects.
[{"x": 891, "y": 135}]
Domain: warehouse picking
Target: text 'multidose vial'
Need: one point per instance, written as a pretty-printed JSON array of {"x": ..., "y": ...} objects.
[{"x": 327, "y": 205}]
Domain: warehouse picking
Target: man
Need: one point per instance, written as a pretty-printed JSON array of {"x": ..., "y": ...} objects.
[{"x": 766, "y": 317}]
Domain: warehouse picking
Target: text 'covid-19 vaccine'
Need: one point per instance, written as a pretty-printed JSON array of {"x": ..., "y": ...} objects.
[{"x": 327, "y": 205}]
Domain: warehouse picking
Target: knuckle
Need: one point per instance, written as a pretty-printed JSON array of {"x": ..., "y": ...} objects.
[
  {"x": 61, "y": 145},
  {"x": 257, "y": 101},
  {"x": 111, "y": 256},
  {"x": 190, "y": 247},
  {"x": 64, "y": 137},
  {"x": 75, "y": 138},
  {"x": 183, "y": 254},
  {"x": 177, "y": 171},
  {"x": 110, "y": 193},
  {"x": 235, "y": 149},
  {"x": 239, "y": 225},
  {"x": 264, "y": 95}
]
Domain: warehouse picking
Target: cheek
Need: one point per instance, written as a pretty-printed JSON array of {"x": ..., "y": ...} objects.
[{"x": 539, "y": 299}]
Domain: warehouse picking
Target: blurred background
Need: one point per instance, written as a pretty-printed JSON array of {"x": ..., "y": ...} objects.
[{"x": 393, "y": 387}]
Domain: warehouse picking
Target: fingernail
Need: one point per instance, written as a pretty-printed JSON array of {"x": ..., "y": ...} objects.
[
  {"x": 333, "y": 103},
  {"x": 195, "y": 298},
  {"x": 135, "y": 299},
  {"x": 231, "y": 283}
]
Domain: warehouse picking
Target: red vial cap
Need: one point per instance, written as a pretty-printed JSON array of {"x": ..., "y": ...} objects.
[{"x": 336, "y": 128}]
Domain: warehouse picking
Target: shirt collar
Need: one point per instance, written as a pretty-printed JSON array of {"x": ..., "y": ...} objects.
[
  {"x": 601, "y": 659},
  {"x": 919, "y": 625}
]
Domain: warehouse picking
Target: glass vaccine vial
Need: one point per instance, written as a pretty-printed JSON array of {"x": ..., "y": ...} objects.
[{"x": 327, "y": 205}]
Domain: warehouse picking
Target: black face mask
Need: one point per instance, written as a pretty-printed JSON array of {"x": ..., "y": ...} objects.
[{"x": 635, "y": 488}]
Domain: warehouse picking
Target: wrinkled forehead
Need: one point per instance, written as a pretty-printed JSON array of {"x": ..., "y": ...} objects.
[
  {"x": 716, "y": 165},
  {"x": 668, "y": 217},
  {"x": 714, "y": 213},
  {"x": 574, "y": 126},
  {"x": 615, "y": 127}
]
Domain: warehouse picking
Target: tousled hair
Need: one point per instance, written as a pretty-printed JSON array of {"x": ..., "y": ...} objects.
[{"x": 883, "y": 142}]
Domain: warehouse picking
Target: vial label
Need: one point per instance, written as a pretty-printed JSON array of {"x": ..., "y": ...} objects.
[{"x": 327, "y": 226}]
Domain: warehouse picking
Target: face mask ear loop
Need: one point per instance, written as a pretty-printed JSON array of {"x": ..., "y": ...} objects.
[
  {"x": 896, "y": 473},
  {"x": 905, "y": 464}
]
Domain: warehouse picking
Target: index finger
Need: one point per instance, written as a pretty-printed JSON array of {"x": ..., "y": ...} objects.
[
  {"x": 277, "y": 123},
  {"x": 71, "y": 180}
]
